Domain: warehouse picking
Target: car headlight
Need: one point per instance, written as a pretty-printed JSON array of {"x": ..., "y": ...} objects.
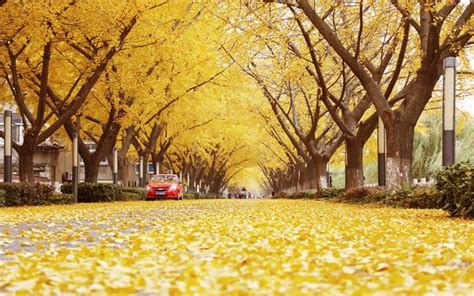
[
  {"x": 173, "y": 187},
  {"x": 148, "y": 188}
]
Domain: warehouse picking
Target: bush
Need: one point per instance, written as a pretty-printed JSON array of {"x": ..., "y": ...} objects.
[
  {"x": 98, "y": 192},
  {"x": 127, "y": 196},
  {"x": 95, "y": 192},
  {"x": 132, "y": 193},
  {"x": 364, "y": 195},
  {"x": 136, "y": 190},
  {"x": 21, "y": 194},
  {"x": 330, "y": 193},
  {"x": 61, "y": 199},
  {"x": 455, "y": 185},
  {"x": 416, "y": 198},
  {"x": 2, "y": 197},
  {"x": 325, "y": 193},
  {"x": 66, "y": 188}
]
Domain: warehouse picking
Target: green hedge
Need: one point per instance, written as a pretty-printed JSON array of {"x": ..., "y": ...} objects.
[
  {"x": 456, "y": 188},
  {"x": 21, "y": 194},
  {"x": 95, "y": 192},
  {"x": 133, "y": 193},
  {"x": 135, "y": 190},
  {"x": 416, "y": 198},
  {"x": 2, "y": 197},
  {"x": 61, "y": 199},
  {"x": 364, "y": 195},
  {"x": 325, "y": 193}
]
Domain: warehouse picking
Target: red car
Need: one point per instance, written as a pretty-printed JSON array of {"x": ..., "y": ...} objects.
[{"x": 164, "y": 186}]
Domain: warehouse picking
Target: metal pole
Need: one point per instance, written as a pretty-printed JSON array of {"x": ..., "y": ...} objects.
[
  {"x": 328, "y": 176},
  {"x": 115, "y": 167},
  {"x": 157, "y": 168},
  {"x": 346, "y": 169},
  {"x": 7, "y": 152},
  {"x": 188, "y": 184},
  {"x": 75, "y": 169},
  {"x": 297, "y": 179},
  {"x": 381, "y": 145},
  {"x": 78, "y": 131},
  {"x": 140, "y": 173},
  {"x": 449, "y": 104}
]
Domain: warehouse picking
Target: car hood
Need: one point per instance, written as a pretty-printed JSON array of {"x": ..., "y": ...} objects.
[{"x": 160, "y": 185}]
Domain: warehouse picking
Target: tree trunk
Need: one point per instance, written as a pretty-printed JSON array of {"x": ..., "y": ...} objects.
[
  {"x": 91, "y": 168},
  {"x": 124, "y": 168},
  {"x": 145, "y": 168},
  {"x": 25, "y": 155},
  {"x": 400, "y": 137},
  {"x": 355, "y": 171},
  {"x": 309, "y": 177},
  {"x": 321, "y": 177},
  {"x": 26, "y": 164}
]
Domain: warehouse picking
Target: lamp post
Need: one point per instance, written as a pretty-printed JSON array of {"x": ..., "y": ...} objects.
[
  {"x": 140, "y": 172},
  {"x": 75, "y": 168},
  {"x": 115, "y": 166},
  {"x": 187, "y": 184},
  {"x": 7, "y": 152},
  {"x": 381, "y": 145},
  {"x": 449, "y": 104}
]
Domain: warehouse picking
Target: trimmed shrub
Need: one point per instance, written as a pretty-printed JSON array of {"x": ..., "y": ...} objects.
[
  {"x": 66, "y": 188},
  {"x": 325, "y": 193},
  {"x": 95, "y": 192},
  {"x": 21, "y": 194},
  {"x": 61, "y": 199},
  {"x": 364, "y": 195},
  {"x": 456, "y": 188},
  {"x": 98, "y": 192},
  {"x": 136, "y": 190},
  {"x": 416, "y": 198},
  {"x": 132, "y": 193},
  {"x": 330, "y": 193},
  {"x": 2, "y": 197},
  {"x": 128, "y": 196}
]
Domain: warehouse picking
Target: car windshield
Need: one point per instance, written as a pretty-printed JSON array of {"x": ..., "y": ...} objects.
[{"x": 164, "y": 179}]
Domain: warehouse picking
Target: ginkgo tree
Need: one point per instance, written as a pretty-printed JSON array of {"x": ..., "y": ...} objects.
[
  {"x": 53, "y": 57},
  {"x": 440, "y": 29}
]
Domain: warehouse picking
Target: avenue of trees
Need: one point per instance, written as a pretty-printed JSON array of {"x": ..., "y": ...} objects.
[
  {"x": 341, "y": 65},
  {"x": 212, "y": 88},
  {"x": 145, "y": 77}
]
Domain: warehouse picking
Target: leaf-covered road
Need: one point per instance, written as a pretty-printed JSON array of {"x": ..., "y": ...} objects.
[{"x": 241, "y": 246}]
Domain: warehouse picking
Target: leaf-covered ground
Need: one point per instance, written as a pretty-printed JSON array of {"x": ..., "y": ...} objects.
[{"x": 233, "y": 247}]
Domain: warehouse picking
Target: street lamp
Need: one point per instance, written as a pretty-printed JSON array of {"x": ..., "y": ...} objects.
[
  {"x": 7, "y": 151},
  {"x": 140, "y": 172},
  {"x": 381, "y": 145},
  {"x": 115, "y": 166},
  {"x": 449, "y": 103},
  {"x": 75, "y": 168}
]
